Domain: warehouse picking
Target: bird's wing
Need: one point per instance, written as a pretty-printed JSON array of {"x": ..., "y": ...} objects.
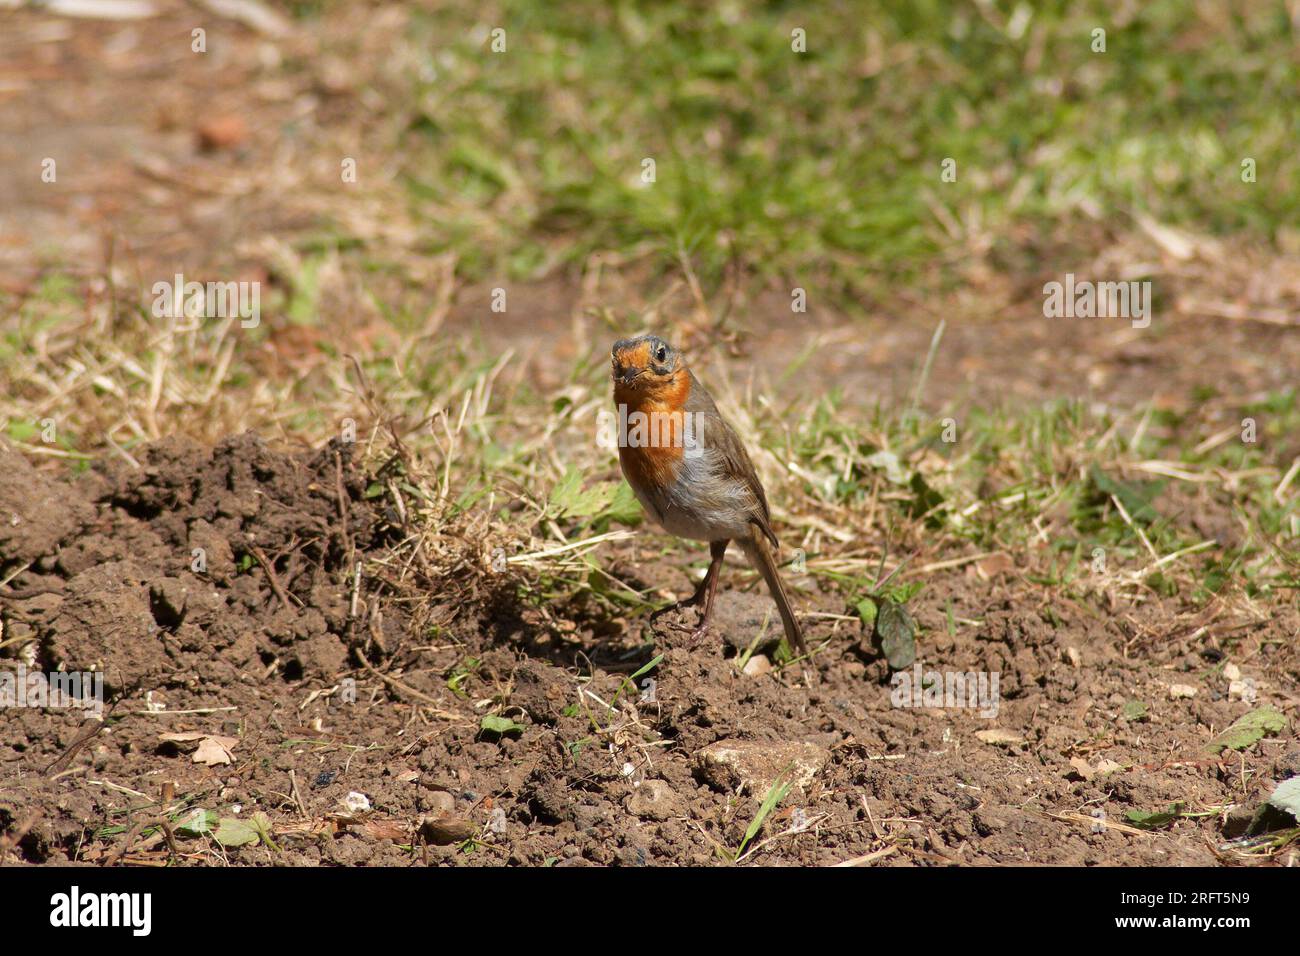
[{"x": 721, "y": 439}]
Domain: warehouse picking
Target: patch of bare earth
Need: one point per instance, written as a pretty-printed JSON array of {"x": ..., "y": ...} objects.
[{"x": 262, "y": 651}]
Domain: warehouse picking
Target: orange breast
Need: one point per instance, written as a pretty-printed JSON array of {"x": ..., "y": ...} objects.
[
  {"x": 650, "y": 467},
  {"x": 651, "y": 451}
]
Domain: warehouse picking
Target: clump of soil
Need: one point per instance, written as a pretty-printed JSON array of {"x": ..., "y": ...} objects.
[
  {"x": 208, "y": 561},
  {"x": 216, "y": 590}
]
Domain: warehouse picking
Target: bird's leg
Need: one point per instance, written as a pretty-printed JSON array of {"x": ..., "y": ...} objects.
[
  {"x": 699, "y": 595},
  {"x": 704, "y": 592},
  {"x": 691, "y": 601},
  {"x": 717, "y": 551}
]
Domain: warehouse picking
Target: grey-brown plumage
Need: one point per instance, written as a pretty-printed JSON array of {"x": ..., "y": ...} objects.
[{"x": 704, "y": 488}]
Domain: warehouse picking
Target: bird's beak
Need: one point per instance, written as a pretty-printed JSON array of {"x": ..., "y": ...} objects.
[{"x": 629, "y": 375}]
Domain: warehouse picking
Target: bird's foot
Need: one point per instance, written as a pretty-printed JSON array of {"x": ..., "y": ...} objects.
[
  {"x": 698, "y": 635},
  {"x": 696, "y": 632}
]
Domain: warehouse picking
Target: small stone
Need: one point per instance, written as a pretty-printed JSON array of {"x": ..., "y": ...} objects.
[
  {"x": 445, "y": 830},
  {"x": 222, "y": 132},
  {"x": 653, "y": 800},
  {"x": 1243, "y": 690},
  {"x": 756, "y": 666},
  {"x": 356, "y": 802},
  {"x": 756, "y": 764},
  {"x": 439, "y": 803},
  {"x": 1231, "y": 671},
  {"x": 1180, "y": 691},
  {"x": 747, "y": 619}
]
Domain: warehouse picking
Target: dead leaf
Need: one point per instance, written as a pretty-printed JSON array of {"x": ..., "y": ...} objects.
[
  {"x": 215, "y": 750},
  {"x": 1082, "y": 770},
  {"x": 180, "y": 738}
]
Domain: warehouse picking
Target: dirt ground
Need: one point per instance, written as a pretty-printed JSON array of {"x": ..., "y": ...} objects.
[
  {"x": 329, "y": 689},
  {"x": 670, "y": 780}
]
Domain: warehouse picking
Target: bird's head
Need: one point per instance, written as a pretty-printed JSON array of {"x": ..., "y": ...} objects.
[{"x": 644, "y": 365}]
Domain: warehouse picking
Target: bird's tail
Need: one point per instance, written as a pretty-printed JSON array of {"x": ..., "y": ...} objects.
[{"x": 761, "y": 557}]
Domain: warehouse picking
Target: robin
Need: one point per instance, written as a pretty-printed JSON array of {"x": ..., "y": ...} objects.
[{"x": 690, "y": 471}]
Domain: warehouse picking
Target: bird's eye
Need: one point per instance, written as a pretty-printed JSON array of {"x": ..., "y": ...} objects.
[{"x": 662, "y": 354}]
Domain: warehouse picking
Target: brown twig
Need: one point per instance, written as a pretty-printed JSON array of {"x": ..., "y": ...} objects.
[
  {"x": 271, "y": 576},
  {"x": 343, "y": 505},
  {"x": 119, "y": 851},
  {"x": 75, "y": 747},
  {"x": 297, "y": 795}
]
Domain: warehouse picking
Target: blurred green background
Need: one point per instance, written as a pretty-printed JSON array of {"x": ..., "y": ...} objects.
[{"x": 827, "y": 163}]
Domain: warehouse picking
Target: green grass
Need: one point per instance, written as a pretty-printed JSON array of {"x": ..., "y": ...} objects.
[
  {"x": 1039, "y": 482},
  {"x": 825, "y": 166}
]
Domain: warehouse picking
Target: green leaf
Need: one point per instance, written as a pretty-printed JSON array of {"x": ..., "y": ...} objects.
[
  {"x": 1136, "y": 497},
  {"x": 1134, "y": 710},
  {"x": 867, "y": 611},
  {"x": 494, "y": 724},
  {"x": 896, "y": 634},
  {"x": 775, "y": 794},
  {"x": 461, "y": 673},
  {"x": 569, "y": 498},
  {"x": 624, "y": 508},
  {"x": 21, "y": 431},
  {"x": 647, "y": 668},
  {"x": 231, "y": 831},
  {"x": 197, "y": 822},
  {"x": 1153, "y": 820},
  {"x": 1286, "y": 796},
  {"x": 1248, "y": 729},
  {"x": 904, "y": 592},
  {"x": 925, "y": 499},
  {"x": 261, "y": 824}
]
